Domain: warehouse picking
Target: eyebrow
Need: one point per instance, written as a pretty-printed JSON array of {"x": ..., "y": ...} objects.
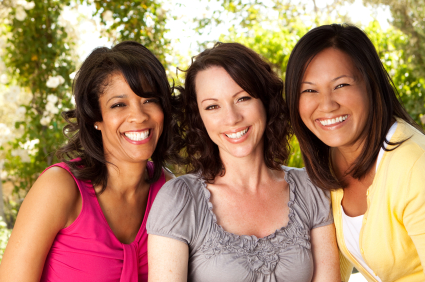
[
  {"x": 148, "y": 94},
  {"x": 335, "y": 79},
  {"x": 214, "y": 99},
  {"x": 118, "y": 96}
]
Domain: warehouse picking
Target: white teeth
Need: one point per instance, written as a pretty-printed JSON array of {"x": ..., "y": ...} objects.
[
  {"x": 333, "y": 121},
  {"x": 137, "y": 136},
  {"x": 237, "y": 134}
]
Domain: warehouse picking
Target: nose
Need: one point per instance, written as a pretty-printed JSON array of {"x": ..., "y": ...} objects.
[
  {"x": 233, "y": 116},
  {"x": 327, "y": 102},
  {"x": 137, "y": 114}
]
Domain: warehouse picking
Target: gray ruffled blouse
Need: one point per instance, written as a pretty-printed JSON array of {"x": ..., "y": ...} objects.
[{"x": 182, "y": 211}]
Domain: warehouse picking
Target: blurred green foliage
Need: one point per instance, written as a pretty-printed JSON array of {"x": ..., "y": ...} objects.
[
  {"x": 138, "y": 20},
  {"x": 38, "y": 49},
  {"x": 409, "y": 18}
]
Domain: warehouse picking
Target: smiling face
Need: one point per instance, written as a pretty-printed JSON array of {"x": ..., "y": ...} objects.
[
  {"x": 131, "y": 124},
  {"x": 333, "y": 101},
  {"x": 234, "y": 120}
]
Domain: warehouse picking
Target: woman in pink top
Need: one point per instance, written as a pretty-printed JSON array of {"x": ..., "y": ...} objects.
[{"x": 84, "y": 219}]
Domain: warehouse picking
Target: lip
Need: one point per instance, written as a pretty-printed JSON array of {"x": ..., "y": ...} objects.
[
  {"x": 144, "y": 141},
  {"x": 240, "y": 139},
  {"x": 333, "y": 126}
]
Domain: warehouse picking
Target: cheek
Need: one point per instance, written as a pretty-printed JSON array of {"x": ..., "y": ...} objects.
[
  {"x": 304, "y": 109},
  {"x": 108, "y": 123},
  {"x": 262, "y": 116},
  {"x": 208, "y": 123},
  {"x": 159, "y": 119}
]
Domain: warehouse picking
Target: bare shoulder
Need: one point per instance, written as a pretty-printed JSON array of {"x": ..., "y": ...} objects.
[
  {"x": 58, "y": 181},
  {"x": 52, "y": 203},
  {"x": 57, "y": 187},
  {"x": 168, "y": 174}
]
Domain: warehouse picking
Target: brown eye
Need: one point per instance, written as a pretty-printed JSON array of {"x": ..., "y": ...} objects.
[
  {"x": 341, "y": 85},
  {"x": 152, "y": 100},
  {"x": 118, "y": 105},
  {"x": 245, "y": 98},
  {"x": 212, "y": 107}
]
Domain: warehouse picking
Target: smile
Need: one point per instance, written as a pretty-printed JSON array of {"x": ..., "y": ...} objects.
[
  {"x": 237, "y": 134},
  {"x": 137, "y": 136},
  {"x": 333, "y": 121}
]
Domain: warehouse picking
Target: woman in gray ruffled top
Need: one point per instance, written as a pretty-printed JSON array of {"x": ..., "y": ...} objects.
[{"x": 239, "y": 215}]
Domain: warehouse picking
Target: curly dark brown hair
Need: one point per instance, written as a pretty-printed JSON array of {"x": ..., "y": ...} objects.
[
  {"x": 257, "y": 78},
  {"x": 84, "y": 152}
]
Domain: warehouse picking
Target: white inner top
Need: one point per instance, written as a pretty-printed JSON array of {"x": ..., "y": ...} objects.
[{"x": 351, "y": 226}]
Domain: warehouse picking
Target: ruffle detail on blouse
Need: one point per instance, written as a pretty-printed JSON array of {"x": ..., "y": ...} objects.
[{"x": 261, "y": 254}]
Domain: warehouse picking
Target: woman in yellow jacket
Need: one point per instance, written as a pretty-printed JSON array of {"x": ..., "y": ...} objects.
[{"x": 358, "y": 141}]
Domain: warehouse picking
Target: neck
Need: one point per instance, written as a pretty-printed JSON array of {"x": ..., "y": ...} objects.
[
  {"x": 344, "y": 157},
  {"x": 126, "y": 178},
  {"x": 247, "y": 173}
]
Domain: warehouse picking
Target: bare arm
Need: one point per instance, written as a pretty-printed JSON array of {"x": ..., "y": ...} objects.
[
  {"x": 168, "y": 259},
  {"x": 325, "y": 254},
  {"x": 52, "y": 204}
]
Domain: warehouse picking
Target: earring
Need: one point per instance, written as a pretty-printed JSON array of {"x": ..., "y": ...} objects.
[{"x": 95, "y": 126}]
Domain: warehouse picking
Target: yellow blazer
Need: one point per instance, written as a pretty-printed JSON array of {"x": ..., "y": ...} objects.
[{"x": 392, "y": 237}]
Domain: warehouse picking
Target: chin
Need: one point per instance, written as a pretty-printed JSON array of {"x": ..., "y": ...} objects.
[
  {"x": 241, "y": 153},
  {"x": 333, "y": 143}
]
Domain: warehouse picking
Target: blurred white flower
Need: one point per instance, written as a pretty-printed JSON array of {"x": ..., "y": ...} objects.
[
  {"x": 24, "y": 98},
  {"x": 51, "y": 108},
  {"x": 20, "y": 113},
  {"x": 25, "y": 158},
  {"x": 13, "y": 94},
  {"x": 4, "y": 79},
  {"x": 29, "y": 5},
  {"x": 55, "y": 81},
  {"x": 5, "y": 133},
  {"x": 15, "y": 90},
  {"x": 210, "y": 45},
  {"x": 29, "y": 146},
  {"x": 52, "y": 82},
  {"x": 160, "y": 12},
  {"x": 20, "y": 14},
  {"x": 13, "y": 3},
  {"x": 61, "y": 79},
  {"x": 52, "y": 98},
  {"x": 108, "y": 16},
  {"x": 45, "y": 120},
  {"x": 169, "y": 58},
  {"x": 72, "y": 75}
]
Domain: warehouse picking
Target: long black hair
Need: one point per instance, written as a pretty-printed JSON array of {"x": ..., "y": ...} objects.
[{"x": 382, "y": 96}]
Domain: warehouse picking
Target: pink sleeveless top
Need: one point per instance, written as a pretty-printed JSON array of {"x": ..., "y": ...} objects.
[{"x": 88, "y": 250}]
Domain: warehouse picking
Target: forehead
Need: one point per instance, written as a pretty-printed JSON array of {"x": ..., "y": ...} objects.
[
  {"x": 331, "y": 62},
  {"x": 116, "y": 81},
  {"x": 215, "y": 81}
]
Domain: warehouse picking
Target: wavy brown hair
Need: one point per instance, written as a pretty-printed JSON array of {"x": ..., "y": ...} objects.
[
  {"x": 381, "y": 92},
  {"x": 84, "y": 152},
  {"x": 257, "y": 78}
]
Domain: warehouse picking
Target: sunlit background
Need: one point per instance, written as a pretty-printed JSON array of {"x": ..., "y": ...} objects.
[{"x": 42, "y": 44}]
